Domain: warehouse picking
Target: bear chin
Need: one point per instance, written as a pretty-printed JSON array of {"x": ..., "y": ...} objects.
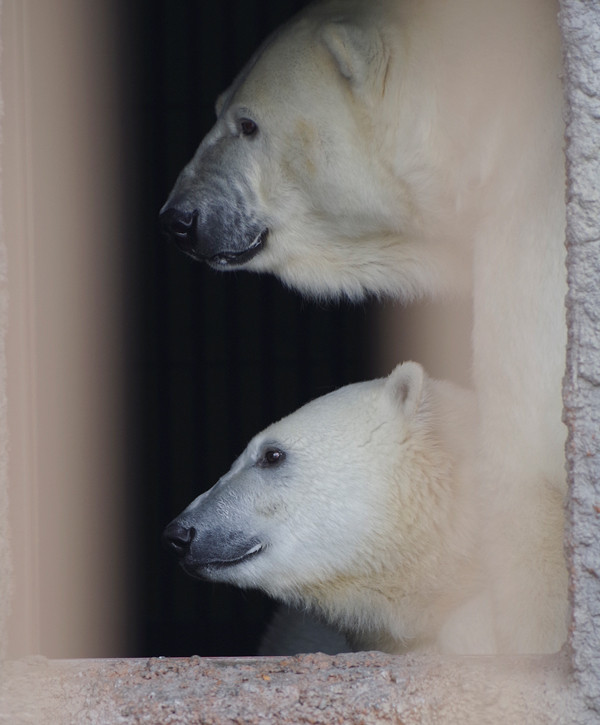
[
  {"x": 212, "y": 569},
  {"x": 232, "y": 260}
]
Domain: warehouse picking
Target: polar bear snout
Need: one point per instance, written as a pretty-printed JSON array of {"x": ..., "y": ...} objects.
[
  {"x": 178, "y": 537},
  {"x": 220, "y": 236},
  {"x": 206, "y": 552},
  {"x": 179, "y": 226}
]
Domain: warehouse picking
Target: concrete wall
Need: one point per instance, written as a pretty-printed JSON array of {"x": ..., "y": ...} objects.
[{"x": 580, "y": 23}]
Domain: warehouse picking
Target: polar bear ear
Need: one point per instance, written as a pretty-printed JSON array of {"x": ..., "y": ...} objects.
[
  {"x": 405, "y": 387},
  {"x": 354, "y": 49}
]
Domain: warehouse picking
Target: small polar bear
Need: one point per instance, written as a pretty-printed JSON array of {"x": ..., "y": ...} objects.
[
  {"x": 412, "y": 148},
  {"x": 361, "y": 507}
]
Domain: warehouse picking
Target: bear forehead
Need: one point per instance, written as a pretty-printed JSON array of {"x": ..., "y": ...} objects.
[
  {"x": 295, "y": 54},
  {"x": 352, "y": 410}
]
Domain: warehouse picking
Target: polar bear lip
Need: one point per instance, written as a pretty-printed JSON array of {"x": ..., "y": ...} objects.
[
  {"x": 237, "y": 259},
  {"x": 225, "y": 563}
]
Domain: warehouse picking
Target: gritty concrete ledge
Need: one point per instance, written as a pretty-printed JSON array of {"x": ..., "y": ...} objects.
[{"x": 354, "y": 688}]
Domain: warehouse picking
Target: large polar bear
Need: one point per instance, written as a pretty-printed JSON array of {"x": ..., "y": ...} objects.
[
  {"x": 412, "y": 148},
  {"x": 361, "y": 506}
]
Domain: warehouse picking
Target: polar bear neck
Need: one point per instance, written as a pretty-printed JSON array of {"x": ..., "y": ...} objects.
[{"x": 375, "y": 616}]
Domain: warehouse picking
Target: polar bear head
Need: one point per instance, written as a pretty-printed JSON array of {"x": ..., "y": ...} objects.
[
  {"x": 298, "y": 176},
  {"x": 349, "y": 505}
]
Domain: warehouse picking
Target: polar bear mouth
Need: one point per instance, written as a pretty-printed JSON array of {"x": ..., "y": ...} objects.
[
  {"x": 227, "y": 563},
  {"x": 239, "y": 258}
]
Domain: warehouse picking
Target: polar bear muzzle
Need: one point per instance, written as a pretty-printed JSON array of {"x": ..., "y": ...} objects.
[
  {"x": 213, "y": 235},
  {"x": 202, "y": 553},
  {"x": 212, "y": 213}
]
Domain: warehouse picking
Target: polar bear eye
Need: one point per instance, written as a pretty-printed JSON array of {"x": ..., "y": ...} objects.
[
  {"x": 248, "y": 127},
  {"x": 271, "y": 457}
]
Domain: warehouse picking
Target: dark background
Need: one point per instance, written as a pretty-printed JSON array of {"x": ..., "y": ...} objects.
[{"x": 214, "y": 357}]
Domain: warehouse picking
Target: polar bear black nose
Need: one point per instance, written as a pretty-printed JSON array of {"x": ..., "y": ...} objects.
[
  {"x": 178, "y": 538},
  {"x": 180, "y": 226}
]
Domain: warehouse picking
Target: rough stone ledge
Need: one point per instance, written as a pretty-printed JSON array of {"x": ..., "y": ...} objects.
[{"x": 354, "y": 688}]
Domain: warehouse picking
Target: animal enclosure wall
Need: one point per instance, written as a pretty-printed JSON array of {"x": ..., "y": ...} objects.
[
  {"x": 580, "y": 21},
  {"x": 63, "y": 193}
]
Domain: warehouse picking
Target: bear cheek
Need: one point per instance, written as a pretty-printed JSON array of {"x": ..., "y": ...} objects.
[
  {"x": 298, "y": 163},
  {"x": 268, "y": 509},
  {"x": 307, "y": 143}
]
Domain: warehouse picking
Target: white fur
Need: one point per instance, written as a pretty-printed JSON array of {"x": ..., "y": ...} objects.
[
  {"x": 371, "y": 521},
  {"x": 414, "y": 147}
]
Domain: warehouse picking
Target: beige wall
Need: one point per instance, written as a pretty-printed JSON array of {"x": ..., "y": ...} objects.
[
  {"x": 436, "y": 334},
  {"x": 62, "y": 198}
]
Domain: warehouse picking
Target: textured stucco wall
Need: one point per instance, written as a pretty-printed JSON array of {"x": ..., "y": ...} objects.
[
  {"x": 580, "y": 21},
  {"x": 366, "y": 689},
  {"x": 5, "y": 568}
]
